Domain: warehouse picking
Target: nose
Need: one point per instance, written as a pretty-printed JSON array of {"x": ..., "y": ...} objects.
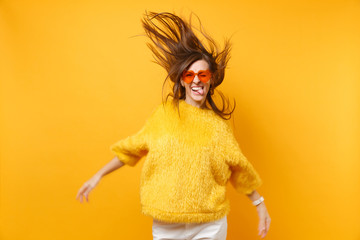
[{"x": 196, "y": 79}]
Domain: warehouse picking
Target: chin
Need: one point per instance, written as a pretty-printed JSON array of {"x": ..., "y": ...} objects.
[{"x": 198, "y": 98}]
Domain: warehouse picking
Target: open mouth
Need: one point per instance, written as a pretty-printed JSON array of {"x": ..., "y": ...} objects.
[{"x": 198, "y": 90}]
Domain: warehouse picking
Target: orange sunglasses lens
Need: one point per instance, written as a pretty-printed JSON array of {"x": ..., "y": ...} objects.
[{"x": 203, "y": 75}]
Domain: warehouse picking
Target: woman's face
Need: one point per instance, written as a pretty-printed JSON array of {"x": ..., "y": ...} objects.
[{"x": 196, "y": 91}]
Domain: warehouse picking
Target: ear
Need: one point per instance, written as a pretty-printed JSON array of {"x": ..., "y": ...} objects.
[{"x": 182, "y": 82}]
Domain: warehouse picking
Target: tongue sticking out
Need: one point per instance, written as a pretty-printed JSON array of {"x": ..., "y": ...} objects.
[{"x": 200, "y": 91}]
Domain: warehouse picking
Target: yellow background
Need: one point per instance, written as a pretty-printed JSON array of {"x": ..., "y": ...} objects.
[{"x": 74, "y": 81}]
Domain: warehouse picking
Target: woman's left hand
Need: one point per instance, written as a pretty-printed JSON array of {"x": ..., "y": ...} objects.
[{"x": 264, "y": 219}]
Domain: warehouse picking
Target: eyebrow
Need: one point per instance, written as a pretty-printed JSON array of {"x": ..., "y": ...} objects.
[{"x": 197, "y": 71}]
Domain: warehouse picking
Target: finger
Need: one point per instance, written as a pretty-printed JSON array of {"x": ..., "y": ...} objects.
[
  {"x": 79, "y": 192},
  {"x": 265, "y": 232},
  {"x": 262, "y": 233},
  {"x": 80, "y": 197},
  {"x": 86, "y": 194},
  {"x": 83, "y": 193},
  {"x": 261, "y": 225},
  {"x": 261, "y": 229},
  {"x": 83, "y": 189},
  {"x": 268, "y": 220},
  {"x": 267, "y": 226}
]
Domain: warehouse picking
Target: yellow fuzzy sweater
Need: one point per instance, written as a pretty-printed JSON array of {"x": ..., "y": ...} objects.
[{"x": 189, "y": 160}]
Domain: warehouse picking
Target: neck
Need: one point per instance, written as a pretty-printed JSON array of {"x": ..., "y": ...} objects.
[{"x": 196, "y": 104}]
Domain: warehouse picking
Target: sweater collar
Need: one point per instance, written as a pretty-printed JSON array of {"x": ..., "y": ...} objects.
[{"x": 190, "y": 107}]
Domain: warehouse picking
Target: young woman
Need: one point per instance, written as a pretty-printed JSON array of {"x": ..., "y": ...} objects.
[{"x": 191, "y": 152}]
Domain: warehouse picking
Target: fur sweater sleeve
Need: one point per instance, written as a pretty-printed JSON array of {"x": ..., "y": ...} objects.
[
  {"x": 132, "y": 148},
  {"x": 244, "y": 177}
]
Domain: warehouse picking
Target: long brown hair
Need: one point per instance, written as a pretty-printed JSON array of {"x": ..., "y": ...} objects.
[{"x": 175, "y": 47}]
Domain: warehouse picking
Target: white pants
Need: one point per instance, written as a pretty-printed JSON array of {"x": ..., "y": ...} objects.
[{"x": 215, "y": 230}]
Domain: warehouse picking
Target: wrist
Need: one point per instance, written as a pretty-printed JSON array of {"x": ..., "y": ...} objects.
[
  {"x": 99, "y": 174},
  {"x": 259, "y": 201}
]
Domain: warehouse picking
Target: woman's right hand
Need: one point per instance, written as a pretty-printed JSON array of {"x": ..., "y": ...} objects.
[{"x": 87, "y": 187}]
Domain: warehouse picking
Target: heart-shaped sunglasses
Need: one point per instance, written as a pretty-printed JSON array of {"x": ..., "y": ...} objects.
[{"x": 203, "y": 75}]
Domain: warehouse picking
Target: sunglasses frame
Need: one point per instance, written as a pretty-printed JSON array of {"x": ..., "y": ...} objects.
[{"x": 207, "y": 72}]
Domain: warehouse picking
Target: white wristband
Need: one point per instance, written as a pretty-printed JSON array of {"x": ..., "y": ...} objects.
[{"x": 257, "y": 202}]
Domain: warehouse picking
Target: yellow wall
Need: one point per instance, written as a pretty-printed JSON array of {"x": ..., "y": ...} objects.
[{"x": 73, "y": 82}]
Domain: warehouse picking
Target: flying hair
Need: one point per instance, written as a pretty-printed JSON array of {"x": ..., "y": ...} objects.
[{"x": 175, "y": 46}]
